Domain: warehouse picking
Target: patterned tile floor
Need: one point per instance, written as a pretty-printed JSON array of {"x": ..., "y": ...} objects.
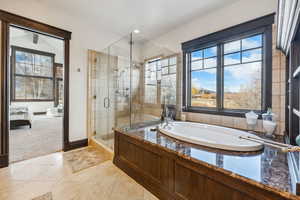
[{"x": 31, "y": 179}]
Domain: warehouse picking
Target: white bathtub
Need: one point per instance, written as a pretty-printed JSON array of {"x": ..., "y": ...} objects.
[{"x": 211, "y": 136}]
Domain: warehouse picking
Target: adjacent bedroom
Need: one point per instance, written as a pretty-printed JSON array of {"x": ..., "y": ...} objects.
[{"x": 36, "y": 94}]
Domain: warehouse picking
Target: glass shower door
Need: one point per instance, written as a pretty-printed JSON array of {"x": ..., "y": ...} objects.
[
  {"x": 102, "y": 101},
  {"x": 105, "y": 103}
]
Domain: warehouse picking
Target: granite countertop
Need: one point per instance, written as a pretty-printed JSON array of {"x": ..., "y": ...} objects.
[{"x": 267, "y": 168}]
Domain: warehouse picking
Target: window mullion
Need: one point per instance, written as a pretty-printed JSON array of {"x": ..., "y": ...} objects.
[{"x": 219, "y": 78}]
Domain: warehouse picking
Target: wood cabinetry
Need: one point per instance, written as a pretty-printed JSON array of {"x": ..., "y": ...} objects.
[{"x": 170, "y": 176}]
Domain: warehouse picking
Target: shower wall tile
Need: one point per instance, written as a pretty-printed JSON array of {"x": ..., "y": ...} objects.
[
  {"x": 215, "y": 119},
  {"x": 240, "y": 123},
  {"x": 276, "y": 76},
  {"x": 276, "y": 89},
  {"x": 228, "y": 121}
]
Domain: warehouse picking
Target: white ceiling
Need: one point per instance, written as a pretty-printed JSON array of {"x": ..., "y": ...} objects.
[{"x": 151, "y": 17}]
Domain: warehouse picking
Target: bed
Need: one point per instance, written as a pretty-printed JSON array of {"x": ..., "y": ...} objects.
[{"x": 19, "y": 116}]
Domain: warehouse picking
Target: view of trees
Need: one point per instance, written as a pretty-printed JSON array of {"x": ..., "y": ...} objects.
[
  {"x": 33, "y": 75},
  {"x": 203, "y": 97},
  {"x": 247, "y": 97},
  {"x": 241, "y": 75}
]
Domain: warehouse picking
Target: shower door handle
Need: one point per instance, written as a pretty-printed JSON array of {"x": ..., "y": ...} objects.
[
  {"x": 104, "y": 103},
  {"x": 108, "y": 101}
]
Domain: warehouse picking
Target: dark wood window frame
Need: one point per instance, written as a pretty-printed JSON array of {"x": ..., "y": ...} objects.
[
  {"x": 262, "y": 25},
  {"x": 14, "y": 74}
]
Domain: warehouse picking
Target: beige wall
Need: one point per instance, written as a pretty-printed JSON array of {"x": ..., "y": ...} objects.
[{"x": 218, "y": 19}]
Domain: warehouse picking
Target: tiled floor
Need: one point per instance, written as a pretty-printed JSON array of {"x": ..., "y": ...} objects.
[
  {"x": 45, "y": 136},
  {"x": 52, "y": 173}
]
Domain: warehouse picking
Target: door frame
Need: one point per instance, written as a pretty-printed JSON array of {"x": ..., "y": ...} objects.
[{"x": 7, "y": 19}]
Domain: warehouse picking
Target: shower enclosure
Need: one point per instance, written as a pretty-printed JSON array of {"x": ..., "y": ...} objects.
[{"x": 117, "y": 86}]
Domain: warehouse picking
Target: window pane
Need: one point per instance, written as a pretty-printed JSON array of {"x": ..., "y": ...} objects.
[
  {"x": 153, "y": 78},
  {"x": 203, "y": 88},
  {"x": 158, "y": 76},
  {"x": 37, "y": 60},
  {"x": 233, "y": 58},
  {"x": 197, "y": 64},
  {"x": 33, "y": 88},
  {"x": 20, "y": 68},
  {"x": 152, "y": 67},
  {"x": 158, "y": 65},
  {"x": 210, "y": 62},
  {"x": 150, "y": 94},
  {"x": 172, "y": 69},
  {"x": 150, "y": 78},
  {"x": 252, "y": 55},
  {"x": 39, "y": 88},
  {"x": 44, "y": 60},
  {"x": 210, "y": 52},
  {"x": 242, "y": 86},
  {"x": 165, "y": 62},
  {"x": 252, "y": 42},
  {"x": 168, "y": 89},
  {"x": 231, "y": 47},
  {"x": 20, "y": 56},
  {"x": 28, "y": 58},
  {"x": 197, "y": 55},
  {"x": 172, "y": 60},
  {"x": 147, "y": 74},
  {"x": 36, "y": 70},
  {"x": 20, "y": 87},
  {"x": 164, "y": 70}
]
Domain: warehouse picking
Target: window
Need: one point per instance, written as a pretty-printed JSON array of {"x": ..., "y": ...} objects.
[
  {"x": 168, "y": 81},
  {"x": 229, "y": 74},
  {"x": 204, "y": 77},
  {"x": 152, "y": 75},
  {"x": 243, "y": 73},
  {"x": 59, "y": 84},
  {"x": 160, "y": 75},
  {"x": 32, "y": 75}
]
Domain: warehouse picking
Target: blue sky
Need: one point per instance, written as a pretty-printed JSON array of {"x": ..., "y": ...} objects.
[{"x": 234, "y": 76}]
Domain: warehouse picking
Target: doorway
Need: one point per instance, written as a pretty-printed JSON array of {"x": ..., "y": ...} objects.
[
  {"x": 36, "y": 68},
  {"x": 34, "y": 89}
]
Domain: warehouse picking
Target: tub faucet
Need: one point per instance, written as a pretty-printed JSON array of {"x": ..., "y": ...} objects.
[{"x": 165, "y": 120}]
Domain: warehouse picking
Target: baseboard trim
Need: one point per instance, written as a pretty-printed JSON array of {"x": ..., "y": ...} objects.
[
  {"x": 76, "y": 144},
  {"x": 3, "y": 161}
]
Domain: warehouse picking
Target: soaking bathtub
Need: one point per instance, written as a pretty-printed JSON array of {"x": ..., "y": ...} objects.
[{"x": 211, "y": 136}]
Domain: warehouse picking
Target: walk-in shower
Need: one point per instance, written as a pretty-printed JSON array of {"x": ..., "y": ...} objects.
[{"x": 127, "y": 85}]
